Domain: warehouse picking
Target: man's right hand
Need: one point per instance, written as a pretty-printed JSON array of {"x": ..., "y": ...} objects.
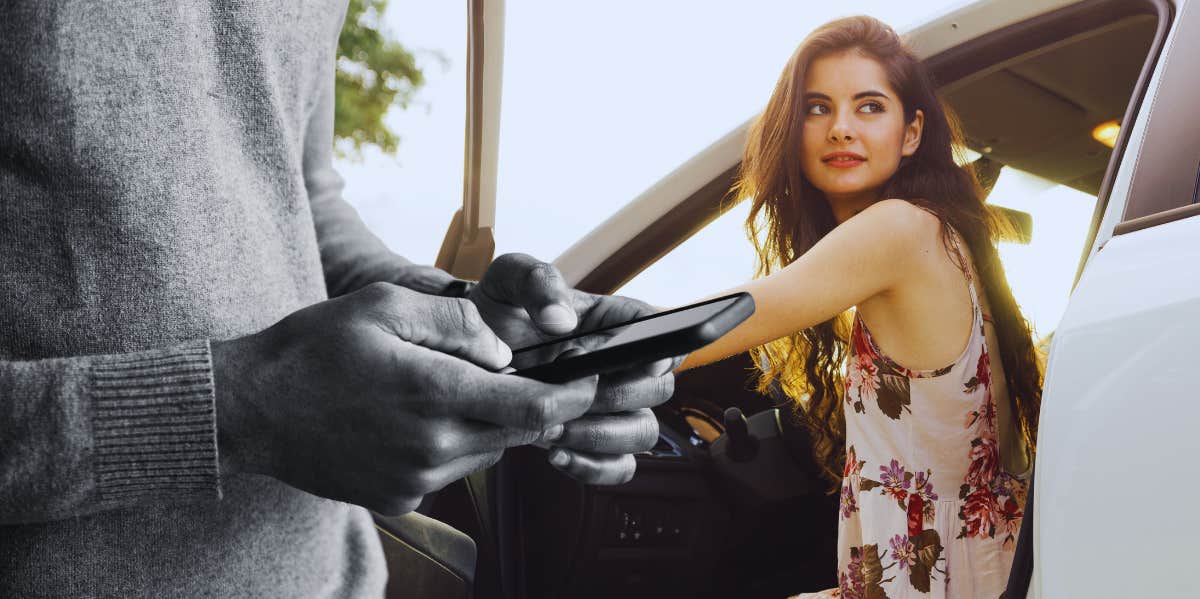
[{"x": 379, "y": 397}]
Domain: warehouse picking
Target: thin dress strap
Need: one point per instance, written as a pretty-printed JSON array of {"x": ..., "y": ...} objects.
[{"x": 965, "y": 265}]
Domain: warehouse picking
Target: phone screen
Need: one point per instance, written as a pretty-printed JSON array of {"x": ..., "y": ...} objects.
[{"x": 629, "y": 332}]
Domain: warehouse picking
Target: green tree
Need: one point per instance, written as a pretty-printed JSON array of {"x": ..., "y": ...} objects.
[{"x": 373, "y": 74}]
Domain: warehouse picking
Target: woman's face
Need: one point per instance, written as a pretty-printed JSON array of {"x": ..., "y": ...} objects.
[{"x": 854, "y": 130}]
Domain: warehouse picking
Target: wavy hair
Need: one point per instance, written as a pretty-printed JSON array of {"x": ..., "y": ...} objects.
[{"x": 788, "y": 216}]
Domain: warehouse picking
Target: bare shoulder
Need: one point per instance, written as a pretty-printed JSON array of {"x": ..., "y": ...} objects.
[
  {"x": 902, "y": 214},
  {"x": 901, "y": 224}
]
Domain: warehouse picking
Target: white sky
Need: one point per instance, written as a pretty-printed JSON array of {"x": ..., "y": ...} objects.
[{"x": 600, "y": 100}]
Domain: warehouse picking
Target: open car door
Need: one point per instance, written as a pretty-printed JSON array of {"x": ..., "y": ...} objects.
[{"x": 470, "y": 243}]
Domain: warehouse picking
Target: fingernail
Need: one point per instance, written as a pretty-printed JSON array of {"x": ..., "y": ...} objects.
[
  {"x": 559, "y": 458},
  {"x": 661, "y": 367},
  {"x": 553, "y": 433},
  {"x": 558, "y": 315},
  {"x": 504, "y": 351}
]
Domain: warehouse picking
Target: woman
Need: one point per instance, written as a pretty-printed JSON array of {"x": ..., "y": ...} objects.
[{"x": 922, "y": 404}]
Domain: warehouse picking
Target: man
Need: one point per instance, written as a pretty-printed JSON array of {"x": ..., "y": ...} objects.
[{"x": 182, "y": 410}]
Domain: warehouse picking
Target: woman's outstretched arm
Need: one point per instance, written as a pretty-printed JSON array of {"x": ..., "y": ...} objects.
[{"x": 869, "y": 255}]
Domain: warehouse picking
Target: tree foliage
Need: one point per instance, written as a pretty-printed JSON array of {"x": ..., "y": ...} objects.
[{"x": 373, "y": 74}]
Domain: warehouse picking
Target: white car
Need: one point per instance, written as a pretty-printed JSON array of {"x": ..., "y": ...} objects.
[{"x": 1036, "y": 84}]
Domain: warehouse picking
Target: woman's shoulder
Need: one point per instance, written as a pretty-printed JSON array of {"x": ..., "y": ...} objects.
[
  {"x": 903, "y": 221},
  {"x": 908, "y": 210},
  {"x": 910, "y": 238}
]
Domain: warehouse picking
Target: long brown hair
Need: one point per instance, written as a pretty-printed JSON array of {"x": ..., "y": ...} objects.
[{"x": 788, "y": 216}]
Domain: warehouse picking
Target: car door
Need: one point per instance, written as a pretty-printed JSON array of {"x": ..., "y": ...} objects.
[
  {"x": 1117, "y": 435},
  {"x": 470, "y": 242},
  {"x": 985, "y": 39}
]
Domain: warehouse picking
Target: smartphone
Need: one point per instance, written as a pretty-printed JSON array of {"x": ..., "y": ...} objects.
[{"x": 638, "y": 341}]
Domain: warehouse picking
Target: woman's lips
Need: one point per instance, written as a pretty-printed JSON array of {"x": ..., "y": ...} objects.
[
  {"x": 844, "y": 163},
  {"x": 843, "y": 159}
]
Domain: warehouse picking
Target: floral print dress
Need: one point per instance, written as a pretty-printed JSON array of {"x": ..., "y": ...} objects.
[{"x": 926, "y": 508}]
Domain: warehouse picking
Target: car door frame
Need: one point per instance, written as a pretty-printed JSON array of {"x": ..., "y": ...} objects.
[
  {"x": 697, "y": 192},
  {"x": 469, "y": 244}
]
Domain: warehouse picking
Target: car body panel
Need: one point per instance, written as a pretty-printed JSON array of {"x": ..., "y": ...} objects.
[{"x": 1116, "y": 437}]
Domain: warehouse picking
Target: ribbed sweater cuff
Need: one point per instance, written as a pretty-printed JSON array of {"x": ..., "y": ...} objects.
[{"x": 154, "y": 420}]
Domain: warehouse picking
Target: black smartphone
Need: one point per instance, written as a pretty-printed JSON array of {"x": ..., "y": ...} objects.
[{"x": 639, "y": 341}]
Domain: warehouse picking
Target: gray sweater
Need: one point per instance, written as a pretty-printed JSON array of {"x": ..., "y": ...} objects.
[{"x": 165, "y": 180}]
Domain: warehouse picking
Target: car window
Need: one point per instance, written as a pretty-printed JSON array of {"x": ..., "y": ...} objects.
[
  {"x": 717, "y": 257},
  {"x": 1040, "y": 273},
  {"x": 1166, "y": 184}
]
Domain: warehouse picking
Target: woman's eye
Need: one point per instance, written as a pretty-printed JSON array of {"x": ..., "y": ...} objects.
[
  {"x": 871, "y": 107},
  {"x": 818, "y": 109}
]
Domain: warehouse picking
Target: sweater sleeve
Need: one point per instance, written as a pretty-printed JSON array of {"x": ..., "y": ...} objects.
[
  {"x": 87, "y": 434},
  {"x": 351, "y": 255}
]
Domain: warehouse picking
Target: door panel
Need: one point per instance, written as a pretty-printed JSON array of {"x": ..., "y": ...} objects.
[{"x": 1118, "y": 437}]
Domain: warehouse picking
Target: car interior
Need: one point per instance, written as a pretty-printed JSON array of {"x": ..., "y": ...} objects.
[{"x": 710, "y": 514}]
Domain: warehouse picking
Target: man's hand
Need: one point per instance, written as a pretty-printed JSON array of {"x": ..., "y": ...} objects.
[
  {"x": 379, "y": 397},
  {"x": 525, "y": 302}
]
